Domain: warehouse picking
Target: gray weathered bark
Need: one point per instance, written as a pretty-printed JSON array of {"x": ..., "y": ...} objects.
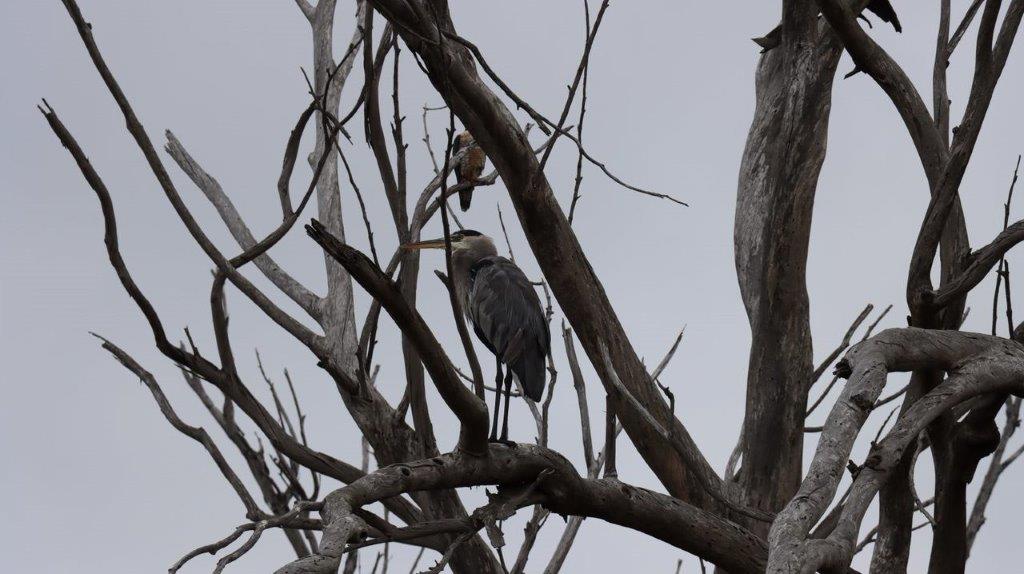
[{"x": 778, "y": 178}]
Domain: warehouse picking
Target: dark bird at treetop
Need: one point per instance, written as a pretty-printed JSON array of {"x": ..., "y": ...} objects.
[
  {"x": 885, "y": 12},
  {"x": 505, "y": 311},
  {"x": 469, "y": 168},
  {"x": 881, "y": 8}
]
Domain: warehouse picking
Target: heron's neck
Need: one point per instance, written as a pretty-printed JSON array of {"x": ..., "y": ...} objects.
[{"x": 463, "y": 261}]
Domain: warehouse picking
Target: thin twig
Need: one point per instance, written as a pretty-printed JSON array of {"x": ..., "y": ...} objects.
[
  {"x": 842, "y": 345},
  {"x": 544, "y": 124},
  {"x": 426, "y": 138},
  {"x": 460, "y": 320},
  {"x": 668, "y": 356},
  {"x": 579, "y": 124},
  {"x": 362, "y": 204},
  {"x": 501, "y": 219},
  {"x": 1003, "y": 270},
  {"x": 584, "y": 63},
  {"x": 871, "y": 327}
]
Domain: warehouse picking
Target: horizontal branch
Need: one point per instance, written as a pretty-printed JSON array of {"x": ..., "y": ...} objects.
[{"x": 561, "y": 490}]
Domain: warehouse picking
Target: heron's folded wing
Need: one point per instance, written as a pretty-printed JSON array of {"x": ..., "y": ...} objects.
[{"x": 501, "y": 302}]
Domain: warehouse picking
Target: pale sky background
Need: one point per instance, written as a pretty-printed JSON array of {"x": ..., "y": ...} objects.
[{"x": 95, "y": 478}]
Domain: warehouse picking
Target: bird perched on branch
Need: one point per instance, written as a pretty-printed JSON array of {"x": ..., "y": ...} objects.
[
  {"x": 881, "y": 8},
  {"x": 469, "y": 168},
  {"x": 505, "y": 311},
  {"x": 885, "y": 12}
]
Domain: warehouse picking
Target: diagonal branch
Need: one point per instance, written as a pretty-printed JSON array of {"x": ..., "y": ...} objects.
[
  {"x": 297, "y": 292},
  {"x": 194, "y": 362},
  {"x": 874, "y": 60},
  {"x": 452, "y": 72},
  {"x": 711, "y": 484},
  {"x": 961, "y": 29},
  {"x": 297, "y": 329},
  {"x": 198, "y": 434}
]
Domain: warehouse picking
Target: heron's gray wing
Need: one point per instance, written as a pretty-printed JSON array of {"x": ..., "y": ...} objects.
[{"x": 501, "y": 303}]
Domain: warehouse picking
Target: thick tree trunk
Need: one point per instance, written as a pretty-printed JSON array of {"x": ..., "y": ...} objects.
[
  {"x": 778, "y": 178},
  {"x": 958, "y": 448}
]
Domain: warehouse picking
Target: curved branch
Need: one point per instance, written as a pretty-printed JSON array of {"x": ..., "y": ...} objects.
[
  {"x": 874, "y": 60},
  {"x": 982, "y": 262},
  {"x": 560, "y": 489},
  {"x": 977, "y": 363}
]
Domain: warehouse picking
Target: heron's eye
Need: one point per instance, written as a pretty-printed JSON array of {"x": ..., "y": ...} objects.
[{"x": 457, "y": 237}]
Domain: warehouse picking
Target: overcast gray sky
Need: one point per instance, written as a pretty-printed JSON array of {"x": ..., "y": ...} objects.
[{"x": 97, "y": 481}]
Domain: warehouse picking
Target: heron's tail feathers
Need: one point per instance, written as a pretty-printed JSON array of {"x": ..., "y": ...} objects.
[{"x": 530, "y": 372}]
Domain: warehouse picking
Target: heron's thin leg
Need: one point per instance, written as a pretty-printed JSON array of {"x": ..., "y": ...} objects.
[
  {"x": 508, "y": 401},
  {"x": 497, "y": 399}
]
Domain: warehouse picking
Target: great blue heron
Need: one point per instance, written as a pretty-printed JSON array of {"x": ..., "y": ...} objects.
[
  {"x": 469, "y": 167},
  {"x": 505, "y": 311}
]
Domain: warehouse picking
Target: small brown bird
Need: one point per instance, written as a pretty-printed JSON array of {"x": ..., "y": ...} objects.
[{"x": 470, "y": 167}]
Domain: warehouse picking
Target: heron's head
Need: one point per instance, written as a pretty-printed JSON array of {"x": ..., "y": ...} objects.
[{"x": 464, "y": 241}]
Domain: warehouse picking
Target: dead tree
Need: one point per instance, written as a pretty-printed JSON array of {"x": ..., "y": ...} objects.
[{"x": 762, "y": 513}]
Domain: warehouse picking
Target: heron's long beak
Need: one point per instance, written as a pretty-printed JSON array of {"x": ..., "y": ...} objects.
[{"x": 430, "y": 244}]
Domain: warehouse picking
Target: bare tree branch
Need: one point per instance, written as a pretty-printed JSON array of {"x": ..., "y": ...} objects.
[
  {"x": 977, "y": 363},
  {"x": 302, "y": 296},
  {"x": 196, "y": 433},
  {"x": 842, "y": 345},
  {"x": 562, "y": 491}
]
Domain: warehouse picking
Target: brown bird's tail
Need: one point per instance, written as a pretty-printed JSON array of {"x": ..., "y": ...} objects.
[{"x": 465, "y": 198}]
